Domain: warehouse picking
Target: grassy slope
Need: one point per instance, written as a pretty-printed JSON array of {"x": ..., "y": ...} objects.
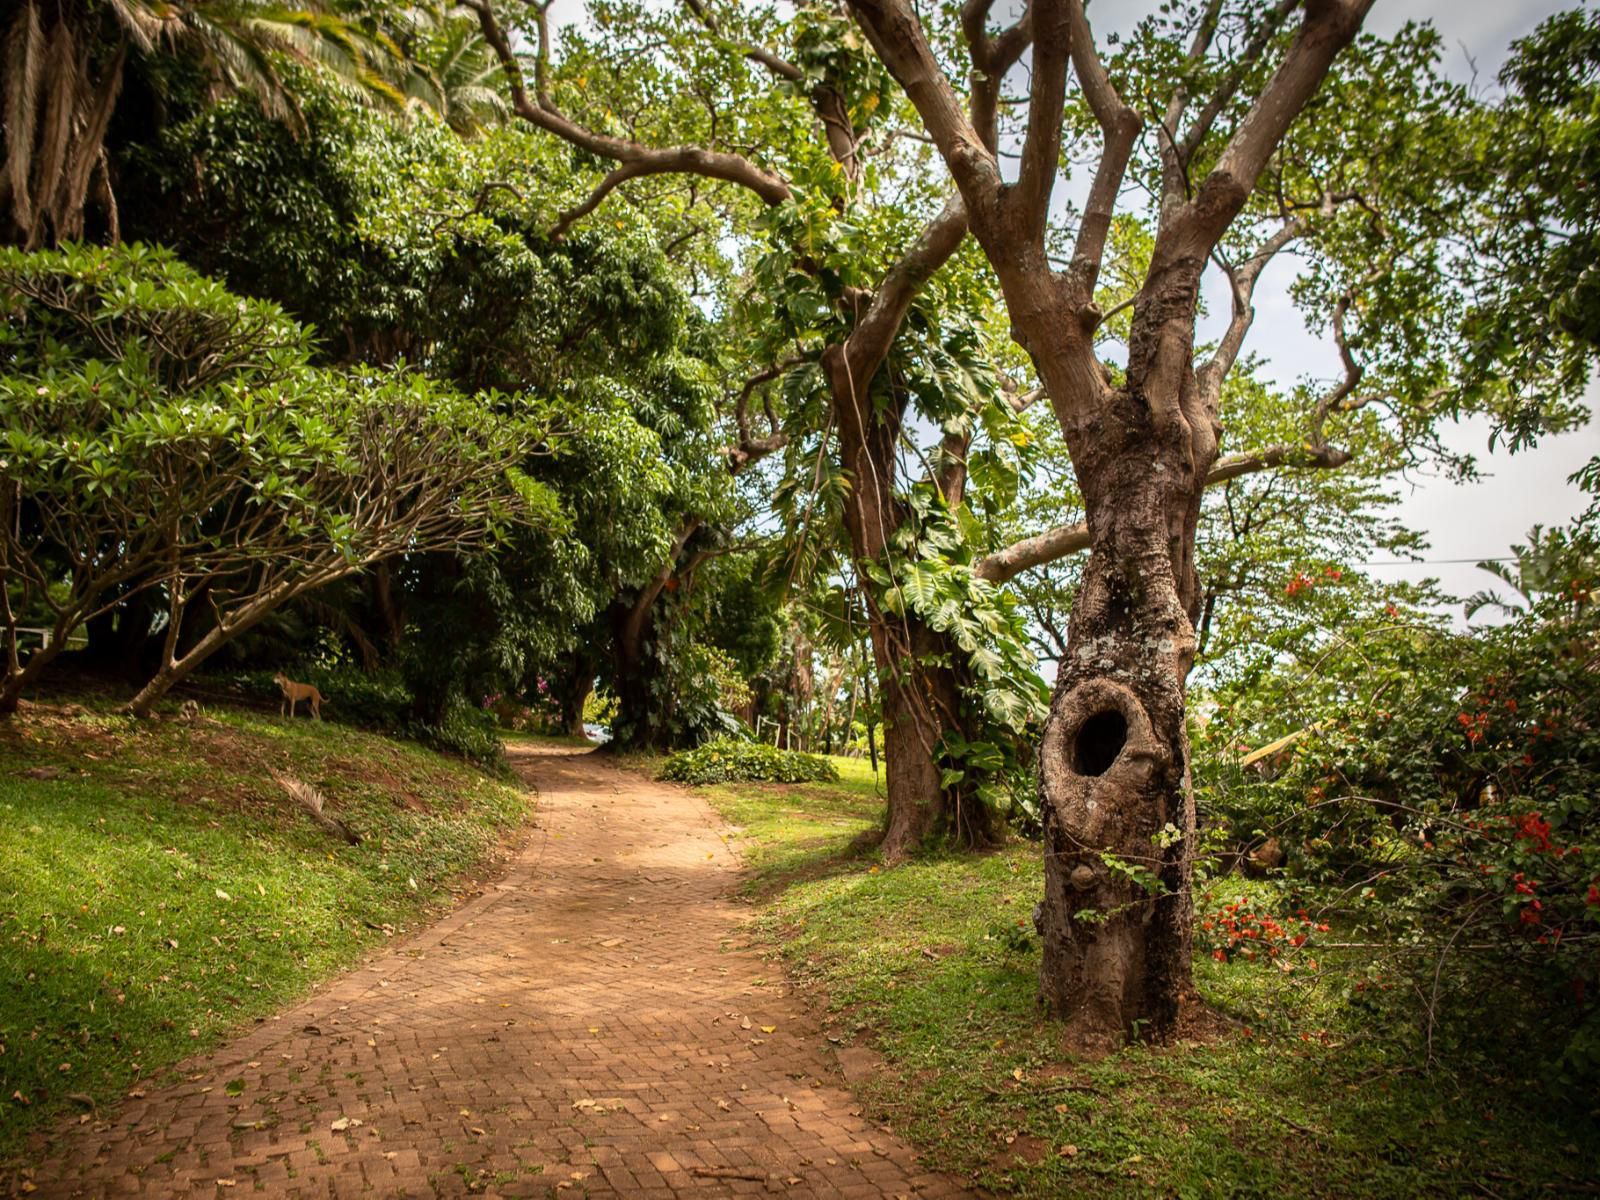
[
  {"x": 162, "y": 889},
  {"x": 935, "y": 965}
]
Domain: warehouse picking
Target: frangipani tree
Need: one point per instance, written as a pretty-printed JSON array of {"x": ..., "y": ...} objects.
[{"x": 161, "y": 433}]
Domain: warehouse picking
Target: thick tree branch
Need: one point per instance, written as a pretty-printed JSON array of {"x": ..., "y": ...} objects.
[
  {"x": 895, "y": 31},
  {"x": 876, "y": 328},
  {"x": 1328, "y": 26},
  {"x": 1035, "y": 551},
  {"x": 1053, "y": 34},
  {"x": 640, "y": 160},
  {"x": 1120, "y": 126},
  {"x": 1047, "y": 547},
  {"x": 639, "y": 610},
  {"x": 992, "y": 58},
  {"x": 1183, "y": 151},
  {"x": 1242, "y": 279},
  {"x": 1174, "y": 168}
]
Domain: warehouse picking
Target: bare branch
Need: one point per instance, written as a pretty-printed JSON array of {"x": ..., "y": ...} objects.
[
  {"x": 613, "y": 177},
  {"x": 1242, "y": 279},
  {"x": 1007, "y": 564},
  {"x": 750, "y": 448},
  {"x": 1120, "y": 126},
  {"x": 640, "y": 159}
]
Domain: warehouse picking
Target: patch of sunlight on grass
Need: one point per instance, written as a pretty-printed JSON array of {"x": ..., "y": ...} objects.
[{"x": 935, "y": 964}]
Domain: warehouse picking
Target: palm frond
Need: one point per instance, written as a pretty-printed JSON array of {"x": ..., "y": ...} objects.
[
  {"x": 24, "y": 59},
  {"x": 145, "y": 25}
]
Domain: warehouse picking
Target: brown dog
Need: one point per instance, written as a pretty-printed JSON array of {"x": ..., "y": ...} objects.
[{"x": 294, "y": 692}]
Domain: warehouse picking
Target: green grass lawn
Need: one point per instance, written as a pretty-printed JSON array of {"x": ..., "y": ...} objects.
[
  {"x": 934, "y": 964},
  {"x": 157, "y": 888}
]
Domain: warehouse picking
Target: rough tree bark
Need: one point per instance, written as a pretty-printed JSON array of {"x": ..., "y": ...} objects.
[
  {"x": 575, "y": 691},
  {"x": 1114, "y": 785}
]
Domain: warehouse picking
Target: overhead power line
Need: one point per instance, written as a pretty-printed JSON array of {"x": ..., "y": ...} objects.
[{"x": 1436, "y": 562}]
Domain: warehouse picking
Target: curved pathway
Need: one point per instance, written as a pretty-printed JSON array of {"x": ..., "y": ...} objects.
[{"x": 591, "y": 1024}]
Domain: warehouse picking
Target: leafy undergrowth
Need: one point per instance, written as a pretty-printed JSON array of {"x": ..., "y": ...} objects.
[
  {"x": 157, "y": 888},
  {"x": 729, "y": 760},
  {"x": 934, "y": 964}
]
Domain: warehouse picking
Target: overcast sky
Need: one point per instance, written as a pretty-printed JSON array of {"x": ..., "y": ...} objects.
[{"x": 1482, "y": 519}]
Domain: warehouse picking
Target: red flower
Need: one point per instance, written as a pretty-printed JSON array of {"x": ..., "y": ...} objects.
[
  {"x": 1530, "y": 828},
  {"x": 1593, "y": 898}
]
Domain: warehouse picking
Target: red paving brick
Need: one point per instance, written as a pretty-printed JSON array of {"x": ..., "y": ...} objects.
[{"x": 591, "y": 1024}]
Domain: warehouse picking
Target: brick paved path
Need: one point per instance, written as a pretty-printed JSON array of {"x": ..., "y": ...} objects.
[{"x": 590, "y": 1025}]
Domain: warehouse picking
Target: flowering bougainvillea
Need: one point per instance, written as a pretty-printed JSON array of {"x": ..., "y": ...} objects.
[{"x": 1438, "y": 805}]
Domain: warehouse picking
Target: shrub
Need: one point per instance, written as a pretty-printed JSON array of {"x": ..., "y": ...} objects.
[
  {"x": 467, "y": 730},
  {"x": 1439, "y": 809},
  {"x": 728, "y": 760}
]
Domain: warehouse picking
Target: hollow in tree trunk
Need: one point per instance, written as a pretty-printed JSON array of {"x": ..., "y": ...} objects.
[{"x": 1114, "y": 781}]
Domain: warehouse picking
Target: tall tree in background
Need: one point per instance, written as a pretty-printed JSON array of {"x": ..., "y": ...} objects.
[
  {"x": 795, "y": 117},
  {"x": 1534, "y": 265}
]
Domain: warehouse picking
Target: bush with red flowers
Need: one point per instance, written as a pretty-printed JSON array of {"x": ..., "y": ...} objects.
[{"x": 1440, "y": 809}]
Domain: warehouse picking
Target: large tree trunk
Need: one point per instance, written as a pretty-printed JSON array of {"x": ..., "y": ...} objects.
[
  {"x": 17, "y": 681},
  {"x": 920, "y": 691},
  {"x": 1114, "y": 764},
  {"x": 921, "y": 703},
  {"x": 575, "y": 690},
  {"x": 632, "y": 672}
]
